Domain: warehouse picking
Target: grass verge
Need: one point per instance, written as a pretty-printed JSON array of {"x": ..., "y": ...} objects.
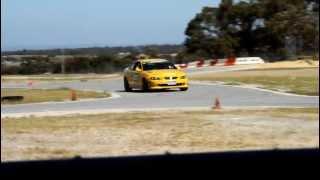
[
  {"x": 303, "y": 81},
  {"x": 42, "y": 95}
]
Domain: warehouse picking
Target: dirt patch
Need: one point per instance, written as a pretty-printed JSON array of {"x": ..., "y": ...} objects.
[
  {"x": 119, "y": 134},
  {"x": 290, "y": 64},
  {"x": 290, "y": 72}
]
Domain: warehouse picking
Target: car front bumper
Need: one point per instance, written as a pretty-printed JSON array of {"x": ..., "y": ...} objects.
[{"x": 166, "y": 85}]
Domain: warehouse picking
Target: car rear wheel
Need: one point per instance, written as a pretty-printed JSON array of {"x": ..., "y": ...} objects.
[
  {"x": 183, "y": 89},
  {"x": 127, "y": 87}
]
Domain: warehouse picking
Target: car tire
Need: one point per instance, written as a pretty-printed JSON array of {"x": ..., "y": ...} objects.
[
  {"x": 127, "y": 87},
  {"x": 183, "y": 89},
  {"x": 145, "y": 86}
]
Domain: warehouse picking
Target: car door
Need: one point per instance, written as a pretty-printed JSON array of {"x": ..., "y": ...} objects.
[
  {"x": 133, "y": 76},
  {"x": 136, "y": 76},
  {"x": 129, "y": 74}
]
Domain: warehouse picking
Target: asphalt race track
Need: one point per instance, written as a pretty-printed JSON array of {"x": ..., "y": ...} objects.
[{"x": 198, "y": 95}]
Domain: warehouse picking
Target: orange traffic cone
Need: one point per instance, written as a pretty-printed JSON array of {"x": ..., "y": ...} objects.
[
  {"x": 217, "y": 104},
  {"x": 73, "y": 95}
]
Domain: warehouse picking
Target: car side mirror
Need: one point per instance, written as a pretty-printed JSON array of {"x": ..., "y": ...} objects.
[{"x": 178, "y": 67}]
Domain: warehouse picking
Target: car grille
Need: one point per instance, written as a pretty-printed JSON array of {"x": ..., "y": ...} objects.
[
  {"x": 178, "y": 84},
  {"x": 168, "y": 78}
]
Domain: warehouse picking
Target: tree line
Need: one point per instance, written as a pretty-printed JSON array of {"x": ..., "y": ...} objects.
[
  {"x": 101, "y": 51},
  {"x": 70, "y": 64},
  {"x": 36, "y": 64}
]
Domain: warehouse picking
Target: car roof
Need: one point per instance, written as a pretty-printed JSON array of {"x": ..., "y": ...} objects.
[{"x": 152, "y": 60}]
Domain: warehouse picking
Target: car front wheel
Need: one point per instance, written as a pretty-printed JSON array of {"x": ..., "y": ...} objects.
[
  {"x": 127, "y": 87},
  {"x": 145, "y": 86}
]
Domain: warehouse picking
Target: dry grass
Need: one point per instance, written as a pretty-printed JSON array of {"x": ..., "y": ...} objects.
[
  {"x": 119, "y": 134},
  {"x": 303, "y": 81},
  {"x": 41, "y": 95}
]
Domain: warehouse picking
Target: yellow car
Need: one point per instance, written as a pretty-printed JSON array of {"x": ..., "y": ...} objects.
[{"x": 153, "y": 74}]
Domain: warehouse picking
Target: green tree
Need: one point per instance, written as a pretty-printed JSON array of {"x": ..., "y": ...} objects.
[{"x": 252, "y": 27}]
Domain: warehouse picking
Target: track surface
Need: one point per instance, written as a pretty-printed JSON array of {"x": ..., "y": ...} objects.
[{"x": 198, "y": 95}]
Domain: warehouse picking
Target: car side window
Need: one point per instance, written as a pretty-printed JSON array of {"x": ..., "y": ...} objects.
[
  {"x": 132, "y": 66},
  {"x": 137, "y": 64}
]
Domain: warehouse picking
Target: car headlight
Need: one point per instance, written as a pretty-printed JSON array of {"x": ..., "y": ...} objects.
[
  {"x": 155, "y": 78},
  {"x": 182, "y": 77}
]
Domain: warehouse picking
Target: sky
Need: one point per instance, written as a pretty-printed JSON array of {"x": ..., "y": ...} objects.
[{"x": 43, "y": 24}]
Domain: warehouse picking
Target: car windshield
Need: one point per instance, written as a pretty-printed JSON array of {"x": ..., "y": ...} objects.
[{"x": 158, "y": 65}]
